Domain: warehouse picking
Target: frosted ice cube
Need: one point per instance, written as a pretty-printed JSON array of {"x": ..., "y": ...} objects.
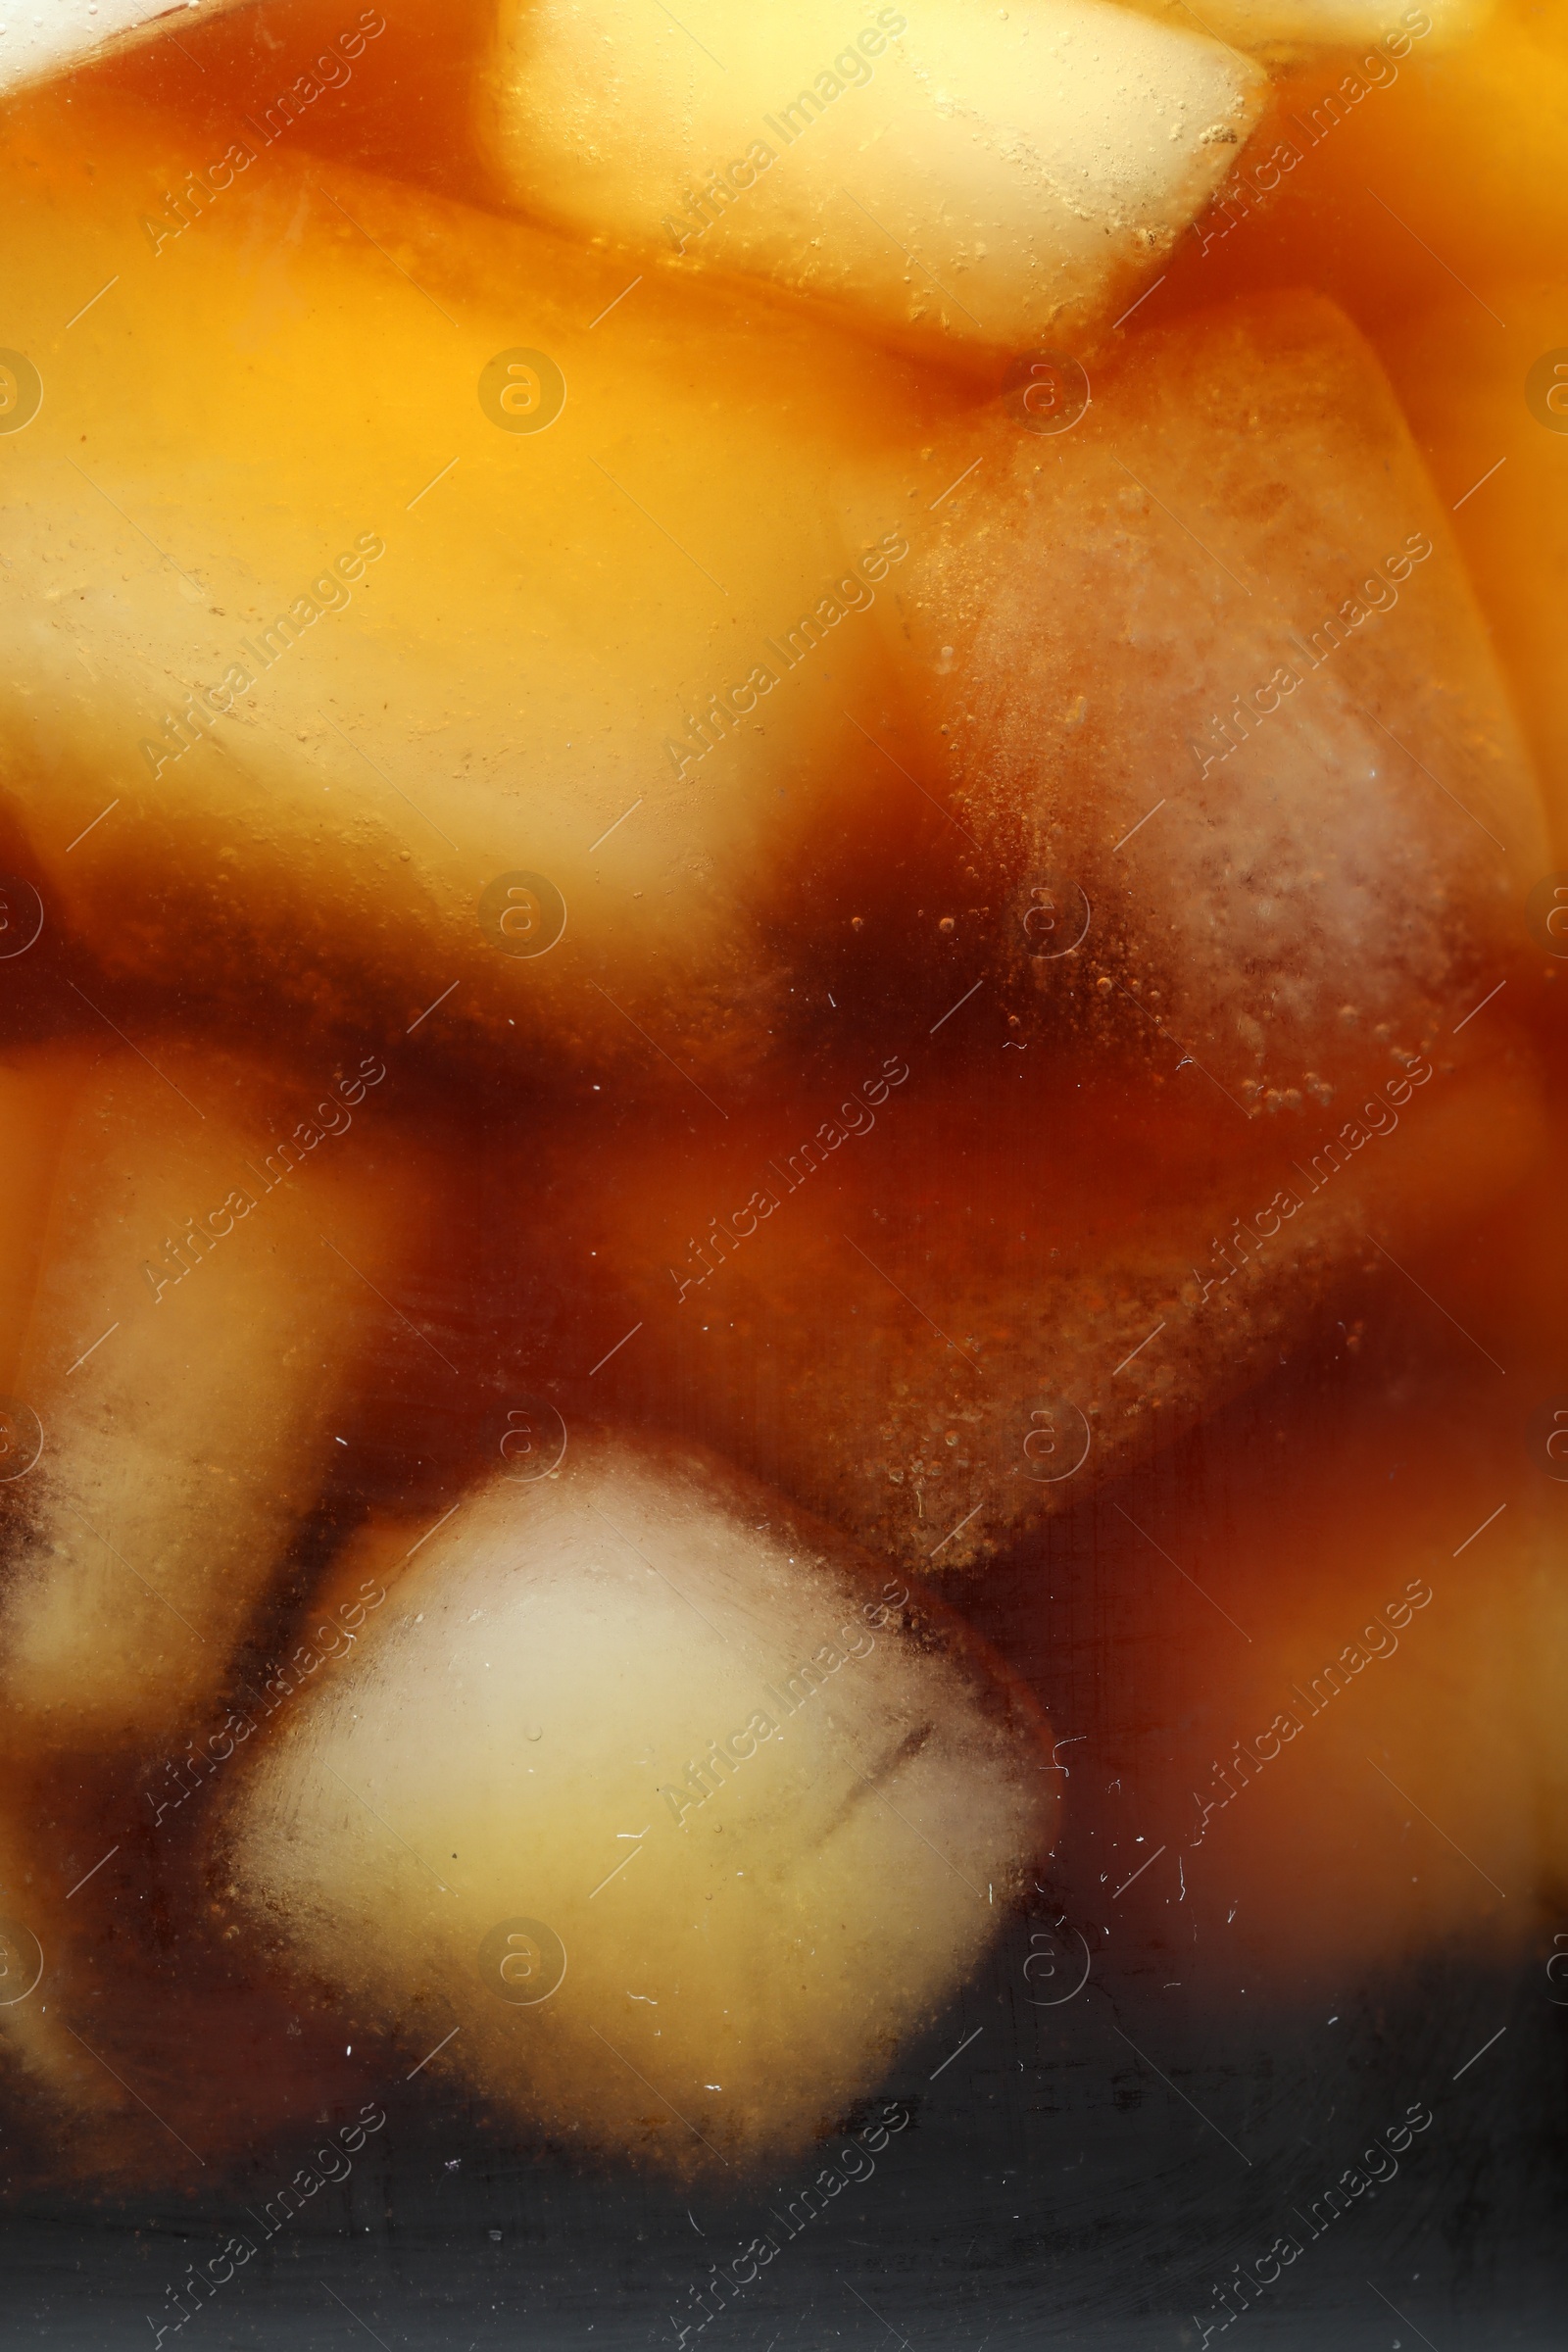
[
  {"x": 633, "y": 1728},
  {"x": 184, "y": 1337},
  {"x": 1213, "y": 653},
  {"x": 964, "y": 173}
]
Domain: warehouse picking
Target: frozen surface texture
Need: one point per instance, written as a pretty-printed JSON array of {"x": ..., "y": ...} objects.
[
  {"x": 750, "y": 1811},
  {"x": 976, "y": 175},
  {"x": 940, "y": 1330},
  {"x": 1212, "y": 657},
  {"x": 191, "y": 1330}
]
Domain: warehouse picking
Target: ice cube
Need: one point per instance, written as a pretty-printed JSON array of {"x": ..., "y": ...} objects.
[
  {"x": 469, "y": 710},
  {"x": 197, "y": 1288},
  {"x": 1214, "y": 657},
  {"x": 961, "y": 175},
  {"x": 768, "y": 1825},
  {"x": 939, "y": 1309}
]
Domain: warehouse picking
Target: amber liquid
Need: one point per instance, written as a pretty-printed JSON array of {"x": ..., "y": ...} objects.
[{"x": 1167, "y": 1314}]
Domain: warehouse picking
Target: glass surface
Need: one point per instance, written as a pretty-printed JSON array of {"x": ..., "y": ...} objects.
[{"x": 783, "y": 1442}]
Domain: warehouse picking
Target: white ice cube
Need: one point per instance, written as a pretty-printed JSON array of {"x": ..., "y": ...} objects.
[{"x": 963, "y": 173}]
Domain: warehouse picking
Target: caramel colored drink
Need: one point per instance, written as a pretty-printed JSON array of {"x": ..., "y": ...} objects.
[{"x": 782, "y": 1442}]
